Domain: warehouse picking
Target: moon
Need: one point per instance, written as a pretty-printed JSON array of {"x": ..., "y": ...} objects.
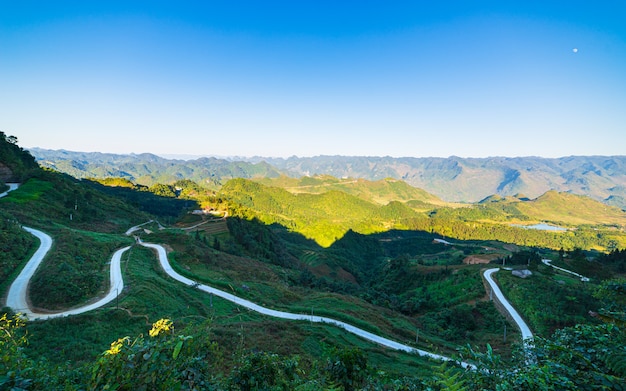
[{"x": 575, "y": 50}]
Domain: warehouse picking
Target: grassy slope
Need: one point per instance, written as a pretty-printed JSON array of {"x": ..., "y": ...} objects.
[
  {"x": 150, "y": 295},
  {"x": 379, "y": 192},
  {"x": 572, "y": 210},
  {"x": 85, "y": 225}
]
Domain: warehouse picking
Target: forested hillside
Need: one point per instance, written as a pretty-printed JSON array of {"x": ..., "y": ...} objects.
[
  {"x": 321, "y": 213},
  {"x": 148, "y": 169},
  {"x": 16, "y": 164}
]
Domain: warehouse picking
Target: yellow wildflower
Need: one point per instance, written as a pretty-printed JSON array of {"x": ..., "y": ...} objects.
[
  {"x": 116, "y": 346},
  {"x": 161, "y": 325}
]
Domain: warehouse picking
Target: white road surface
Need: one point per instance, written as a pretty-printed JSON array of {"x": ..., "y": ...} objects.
[
  {"x": 288, "y": 315},
  {"x": 521, "y": 324},
  {"x": 548, "y": 262}
]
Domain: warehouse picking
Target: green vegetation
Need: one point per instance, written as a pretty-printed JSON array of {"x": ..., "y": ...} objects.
[
  {"x": 453, "y": 179},
  {"x": 327, "y": 216},
  {"x": 16, "y": 164},
  {"x": 32, "y": 190},
  {"x": 16, "y": 246},
  {"x": 77, "y": 269},
  {"x": 362, "y": 252}
]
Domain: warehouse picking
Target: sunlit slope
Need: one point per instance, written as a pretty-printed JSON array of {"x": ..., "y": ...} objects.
[
  {"x": 565, "y": 208},
  {"x": 380, "y": 192},
  {"x": 571, "y": 209},
  {"x": 323, "y": 217}
]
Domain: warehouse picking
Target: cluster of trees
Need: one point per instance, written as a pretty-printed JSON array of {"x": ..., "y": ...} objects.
[
  {"x": 21, "y": 163},
  {"x": 615, "y": 260}
]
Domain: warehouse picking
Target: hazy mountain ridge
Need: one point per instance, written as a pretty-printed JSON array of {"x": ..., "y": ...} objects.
[
  {"x": 452, "y": 179},
  {"x": 148, "y": 169},
  {"x": 472, "y": 179}
]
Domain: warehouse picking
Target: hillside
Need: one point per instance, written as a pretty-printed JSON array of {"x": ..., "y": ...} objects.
[
  {"x": 571, "y": 209},
  {"x": 316, "y": 209},
  {"x": 87, "y": 225},
  {"x": 16, "y": 164},
  {"x": 380, "y": 192},
  {"x": 324, "y": 217},
  {"x": 452, "y": 179}
]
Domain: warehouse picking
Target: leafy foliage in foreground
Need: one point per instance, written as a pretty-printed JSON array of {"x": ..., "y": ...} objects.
[{"x": 579, "y": 358}]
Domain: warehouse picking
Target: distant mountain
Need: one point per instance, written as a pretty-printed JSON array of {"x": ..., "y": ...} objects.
[
  {"x": 148, "y": 169},
  {"x": 452, "y": 179},
  {"x": 472, "y": 179}
]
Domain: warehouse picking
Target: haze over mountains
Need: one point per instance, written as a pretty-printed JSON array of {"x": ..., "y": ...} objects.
[{"x": 452, "y": 179}]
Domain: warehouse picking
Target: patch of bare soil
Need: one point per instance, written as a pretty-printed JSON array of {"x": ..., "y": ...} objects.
[{"x": 480, "y": 259}]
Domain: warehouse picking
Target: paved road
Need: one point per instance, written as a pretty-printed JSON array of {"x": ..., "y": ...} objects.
[
  {"x": 549, "y": 263},
  {"x": 17, "y": 297},
  {"x": 521, "y": 324},
  {"x": 162, "y": 255},
  {"x": 18, "y": 292}
]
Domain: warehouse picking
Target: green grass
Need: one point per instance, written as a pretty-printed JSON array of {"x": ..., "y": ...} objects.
[
  {"x": 76, "y": 270},
  {"x": 548, "y": 301},
  {"x": 269, "y": 286},
  {"x": 10, "y": 275},
  {"x": 32, "y": 190},
  {"x": 149, "y": 295}
]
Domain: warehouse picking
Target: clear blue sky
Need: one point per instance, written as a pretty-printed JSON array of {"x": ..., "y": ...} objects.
[{"x": 271, "y": 78}]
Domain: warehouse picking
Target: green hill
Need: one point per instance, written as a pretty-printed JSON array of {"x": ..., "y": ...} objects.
[
  {"x": 16, "y": 164},
  {"x": 380, "y": 192},
  {"x": 572, "y": 209},
  {"x": 324, "y": 217}
]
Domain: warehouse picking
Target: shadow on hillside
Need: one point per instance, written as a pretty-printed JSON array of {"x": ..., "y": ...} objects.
[{"x": 145, "y": 201}]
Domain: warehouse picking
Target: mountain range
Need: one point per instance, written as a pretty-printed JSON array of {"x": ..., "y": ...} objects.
[{"x": 453, "y": 179}]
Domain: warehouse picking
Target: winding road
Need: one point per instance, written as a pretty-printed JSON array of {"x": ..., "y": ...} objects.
[
  {"x": 17, "y": 298},
  {"x": 548, "y": 262},
  {"x": 18, "y": 301}
]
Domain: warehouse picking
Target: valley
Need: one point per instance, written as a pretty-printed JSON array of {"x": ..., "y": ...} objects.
[{"x": 379, "y": 256}]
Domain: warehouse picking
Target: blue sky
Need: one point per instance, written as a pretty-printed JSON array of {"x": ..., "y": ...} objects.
[{"x": 471, "y": 79}]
